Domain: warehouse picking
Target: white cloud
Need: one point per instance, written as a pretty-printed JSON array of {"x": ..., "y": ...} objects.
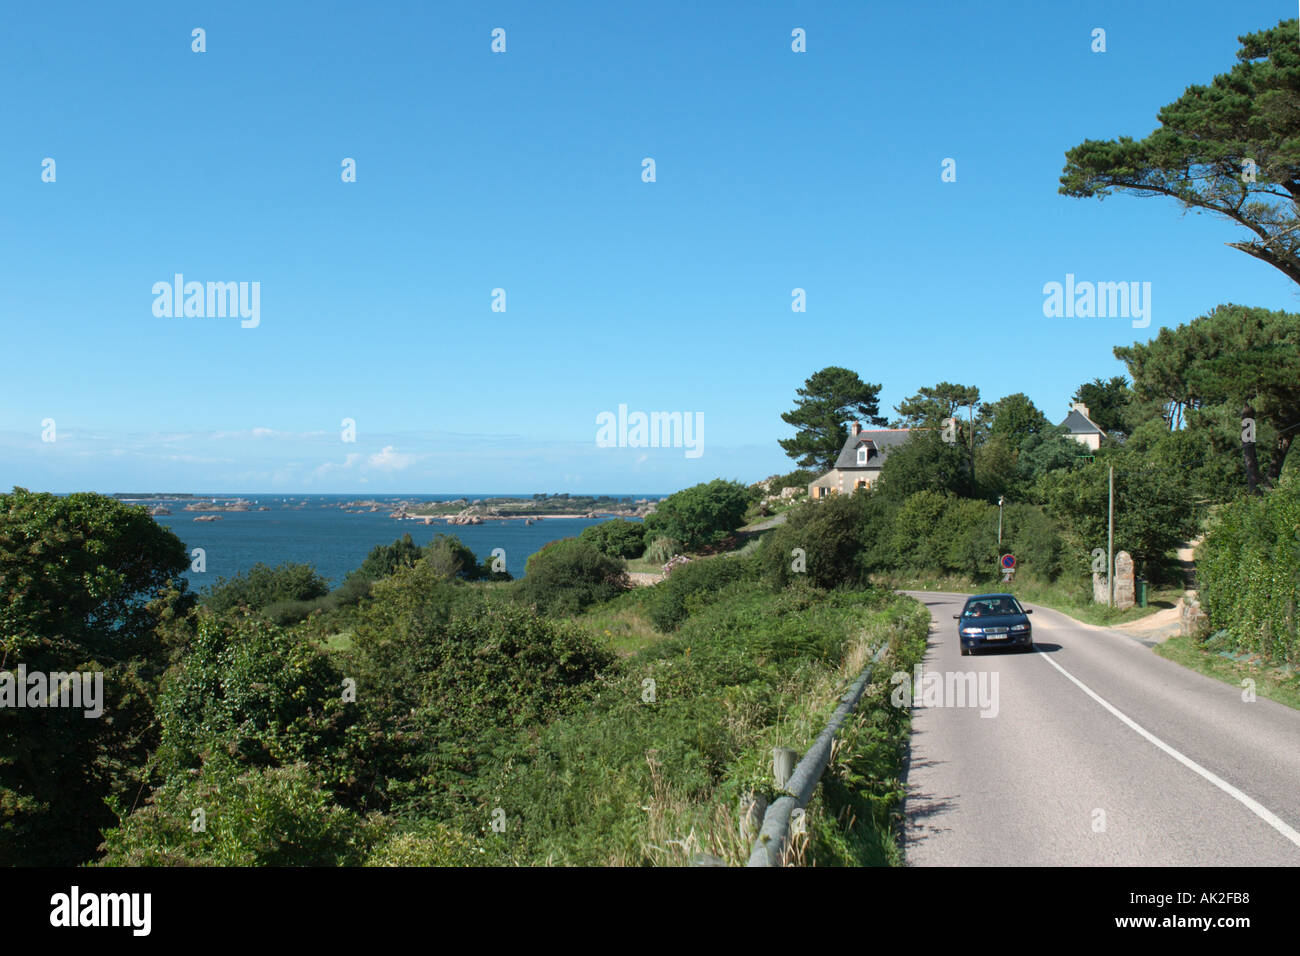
[
  {"x": 330, "y": 467},
  {"x": 390, "y": 459}
]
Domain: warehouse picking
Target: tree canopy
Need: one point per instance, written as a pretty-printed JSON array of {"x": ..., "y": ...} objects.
[
  {"x": 700, "y": 515},
  {"x": 932, "y": 404},
  {"x": 1244, "y": 360},
  {"x": 1016, "y": 418},
  {"x": 85, "y": 584},
  {"x": 1232, "y": 147},
  {"x": 828, "y": 400},
  {"x": 1107, "y": 401}
]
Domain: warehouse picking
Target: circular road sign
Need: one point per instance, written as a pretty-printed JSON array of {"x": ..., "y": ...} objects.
[{"x": 1008, "y": 562}]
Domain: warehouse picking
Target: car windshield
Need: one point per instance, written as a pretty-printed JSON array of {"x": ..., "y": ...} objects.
[{"x": 990, "y": 607}]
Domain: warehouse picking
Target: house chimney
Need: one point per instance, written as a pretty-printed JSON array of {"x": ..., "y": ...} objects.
[
  {"x": 857, "y": 429},
  {"x": 1082, "y": 409}
]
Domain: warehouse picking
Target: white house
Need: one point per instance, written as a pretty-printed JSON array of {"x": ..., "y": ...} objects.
[
  {"x": 1082, "y": 428},
  {"x": 859, "y": 462}
]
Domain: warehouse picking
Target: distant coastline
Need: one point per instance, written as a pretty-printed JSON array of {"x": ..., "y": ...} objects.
[
  {"x": 428, "y": 510},
  {"x": 335, "y": 532}
]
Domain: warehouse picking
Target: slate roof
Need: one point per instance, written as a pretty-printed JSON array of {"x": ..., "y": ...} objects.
[
  {"x": 1078, "y": 423},
  {"x": 885, "y": 440}
]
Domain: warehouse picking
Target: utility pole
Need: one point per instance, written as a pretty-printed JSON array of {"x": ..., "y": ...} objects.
[
  {"x": 999, "y": 524},
  {"x": 1110, "y": 543},
  {"x": 971, "y": 418}
]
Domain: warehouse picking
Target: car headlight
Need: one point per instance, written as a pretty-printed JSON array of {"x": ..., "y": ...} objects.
[
  {"x": 1020, "y": 628},
  {"x": 972, "y": 631}
]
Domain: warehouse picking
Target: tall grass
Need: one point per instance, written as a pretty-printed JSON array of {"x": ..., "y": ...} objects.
[{"x": 641, "y": 778}]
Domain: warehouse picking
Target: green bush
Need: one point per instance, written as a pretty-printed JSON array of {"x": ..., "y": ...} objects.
[
  {"x": 352, "y": 591},
  {"x": 661, "y": 550},
  {"x": 445, "y": 556},
  {"x": 1248, "y": 572},
  {"x": 264, "y": 816},
  {"x": 428, "y": 843},
  {"x": 450, "y": 558},
  {"x": 414, "y": 598},
  {"x": 1035, "y": 540},
  {"x": 285, "y": 613},
  {"x": 1154, "y": 510},
  {"x": 262, "y": 586},
  {"x": 250, "y": 690},
  {"x": 913, "y": 540},
  {"x": 385, "y": 559},
  {"x": 702, "y": 514},
  {"x": 87, "y": 584},
  {"x": 438, "y": 699},
  {"x": 584, "y": 789},
  {"x": 693, "y": 585},
  {"x": 618, "y": 538},
  {"x": 568, "y": 575},
  {"x": 825, "y": 542},
  {"x": 967, "y": 533},
  {"x": 925, "y": 462}
]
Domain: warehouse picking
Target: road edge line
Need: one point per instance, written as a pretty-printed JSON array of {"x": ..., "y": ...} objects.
[{"x": 1250, "y": 803}]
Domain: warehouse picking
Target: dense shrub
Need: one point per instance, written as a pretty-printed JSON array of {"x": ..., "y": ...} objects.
[
  {"x": 694, "y": 585},
  {"x": 1248, "y": 572},
  {"x": 925, "y": 462},
  {"x": 86, "y": 584},
  {"x": 968, "y": 535},
  {"x": 913, "y": 540},
  {"x": 262, "y": 586},
  {"x": 822, "y": 542},
  {"x": 932, "y": 532},
  {"x": 1040, "y": 456},
  {"x": 263, "y": 816},
  {"x": 250, "y": 690},
  {"x": 384, "y": 559},
  {"x": 702, "y": 514},
  {"x": 439, "y": 698},
  {"x": 619, "y": 538},
  {"x": 1154, "y": 510},
  {"x": 450, "y": 558},
  {"x": 567, "y": 575},
  {"x": 662, "y": 550},
  {"x": 592, "y": 787},
  {"x": 428, "y": 843},
  {"x": 1035, "y": 540},
  {"x": 353, "y": 590}
]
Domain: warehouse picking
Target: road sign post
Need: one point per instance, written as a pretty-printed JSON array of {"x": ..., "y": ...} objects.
[{"x": 1008, "y": 563}]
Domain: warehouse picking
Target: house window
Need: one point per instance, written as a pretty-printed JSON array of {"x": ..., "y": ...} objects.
[{"x": 862, "y": 455}]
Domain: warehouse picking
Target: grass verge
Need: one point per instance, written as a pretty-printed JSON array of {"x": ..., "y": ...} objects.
[
  {"x": 1280, "y": 683},
  {"x": 653, "y": 771}
]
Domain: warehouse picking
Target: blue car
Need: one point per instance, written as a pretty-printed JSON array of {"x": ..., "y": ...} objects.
[{"x": 994, "y": 620}]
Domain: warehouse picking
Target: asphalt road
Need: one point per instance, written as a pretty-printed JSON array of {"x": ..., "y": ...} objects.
[{"x": 1098, "y": 752}]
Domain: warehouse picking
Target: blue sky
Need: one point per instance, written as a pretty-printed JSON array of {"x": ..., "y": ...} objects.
[{"x": 522, "y": 171}]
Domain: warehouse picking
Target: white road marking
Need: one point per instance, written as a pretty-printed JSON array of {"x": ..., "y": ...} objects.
[{"x": 1254, "y": 806}]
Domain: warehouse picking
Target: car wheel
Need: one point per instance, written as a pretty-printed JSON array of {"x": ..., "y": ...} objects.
[{"x": 965, "y": 651}]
